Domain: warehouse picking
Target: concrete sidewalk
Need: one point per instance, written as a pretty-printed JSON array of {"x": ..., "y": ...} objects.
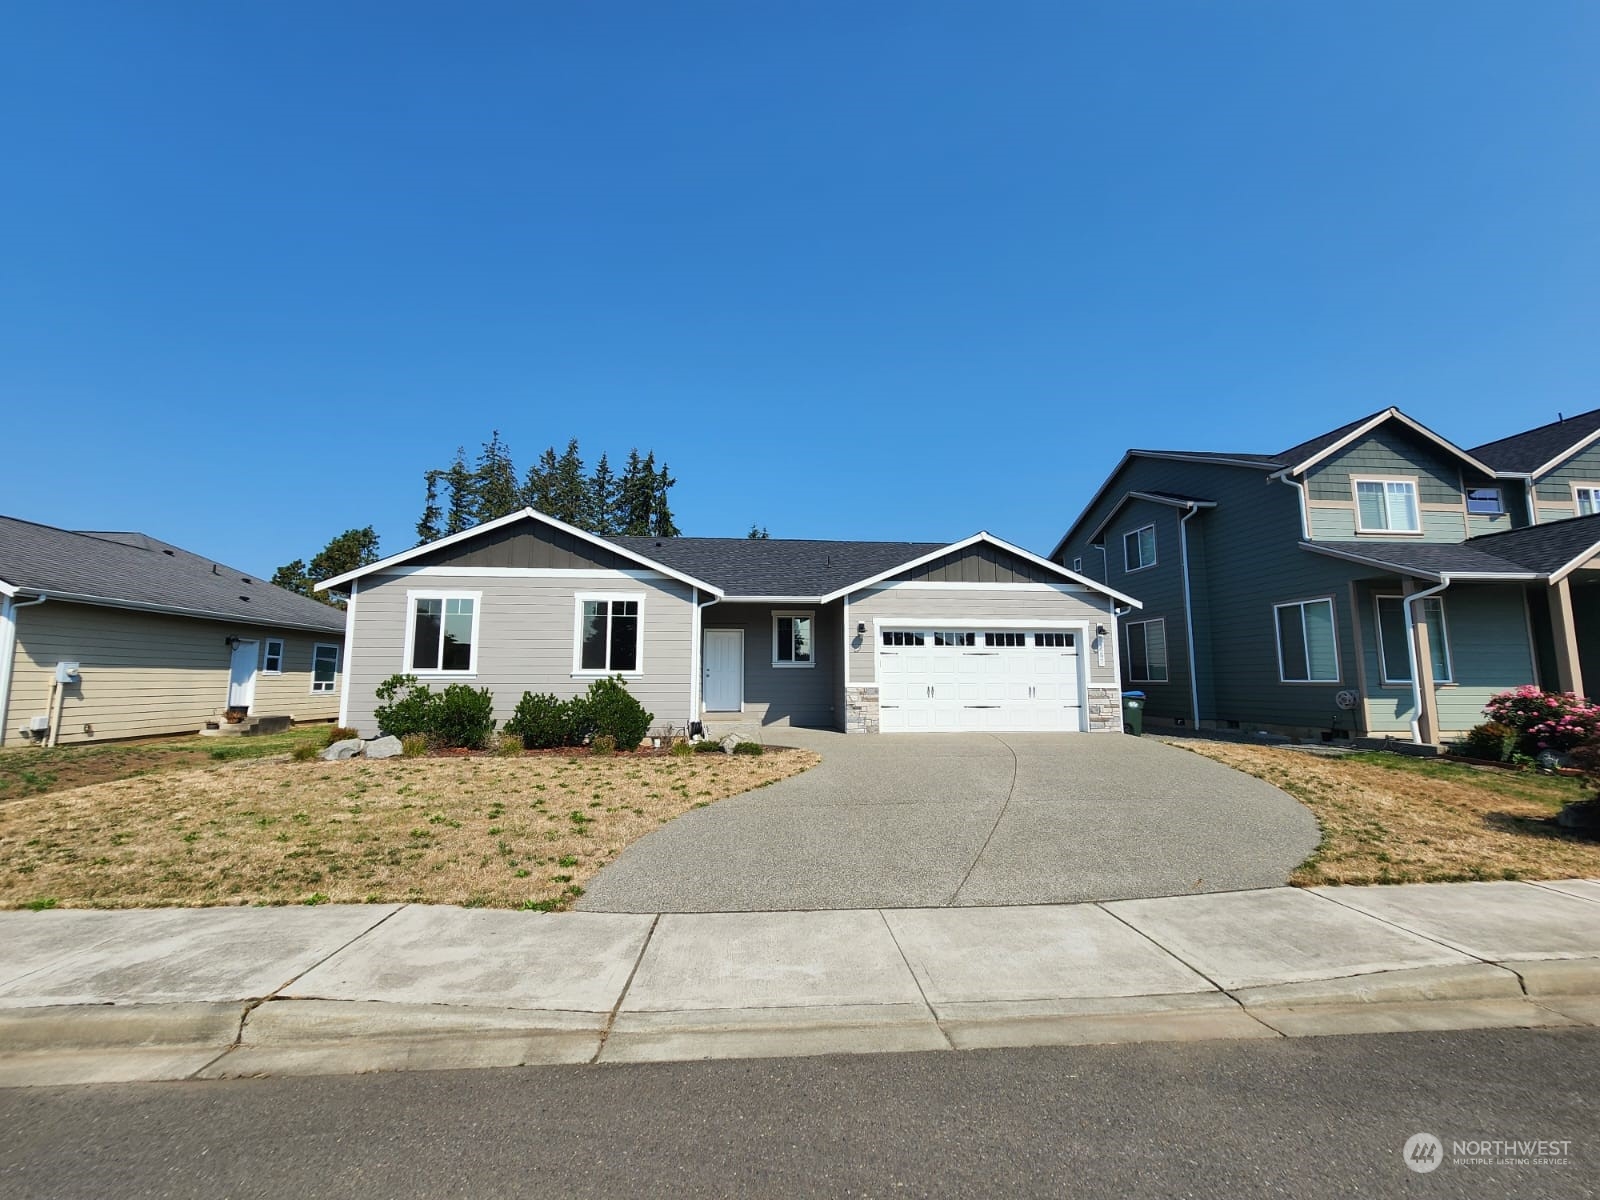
[{"x": 173, "y": 994}]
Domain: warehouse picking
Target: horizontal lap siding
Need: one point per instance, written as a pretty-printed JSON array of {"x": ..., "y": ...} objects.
[
  {"x": 290, "y": 693},
  {"x": 1555, "y": 489},
  {"x": 1338, "y": 524},
  {"x": 785, "y": 695},
  {"x": 143, "y": 674},
  {"x": 1390, "y": 450},
  {"x": 967, "y": 609},
  {"x": 1160, "y": 589},
  {"x": 527, "y": 633}
]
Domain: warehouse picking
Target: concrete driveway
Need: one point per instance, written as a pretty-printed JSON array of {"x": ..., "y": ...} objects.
[{"x": 913, "y": 821}]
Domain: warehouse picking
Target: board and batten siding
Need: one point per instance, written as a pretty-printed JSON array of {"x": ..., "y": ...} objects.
[
  {"x": 969, "y": 608},
  {"x": 147, "y": 674},
  {"x": 527, "y": 635},
  {"x": 774, "y": 695}
]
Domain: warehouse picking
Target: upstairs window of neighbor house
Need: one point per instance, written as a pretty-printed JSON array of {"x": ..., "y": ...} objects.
[
  {"x": 1387, "y": 506},
  {"x": 1308, "y": 647},
  {"x": 324, "y": 667},
  {"x": 791, "y": 640},
  {"x": 1147, "y": 651},
  {"x": 610, "y": 636},
  {"x": 1077, "y": 565},
  {"x": 1139, "y": 548},
  {"x": 272, "y": 657},
  {"x": 1587, "y": 497},
  {"x": 443, "y": 633},
  {"x": 1394, "y": 652},
  {"x": 1485, "y": 501}
]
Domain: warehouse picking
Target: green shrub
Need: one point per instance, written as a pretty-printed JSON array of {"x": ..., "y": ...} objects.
[
  {"x": 611, "y": 710},
  {"x": 508, "y": 745},
  {"x": 544, "y": 722},
  {"x": 681, "y": 750},
  {"x": 1490, "y": 741},
  {"x": 306, "y": 751},
  {"x": 463, "y": 716},
  {"x": 752, "y": 748},
  {"x": 415, "y": 745},
  {"x": 603, "y": 743},
  {"x": 709, "y": 746},
  {"x": 400, "y": 715},
  {"x": 339, "y": 733}
]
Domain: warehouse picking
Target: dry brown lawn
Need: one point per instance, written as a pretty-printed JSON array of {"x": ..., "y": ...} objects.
[
  {"x": 1390, "y": 818},
  {"x": 507, "y": 832}
]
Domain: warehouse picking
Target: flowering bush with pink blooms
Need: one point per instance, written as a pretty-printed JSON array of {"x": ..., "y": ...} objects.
[{"x": 1555, "y": 721}]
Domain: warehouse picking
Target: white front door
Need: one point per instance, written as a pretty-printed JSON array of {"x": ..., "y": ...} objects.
[
  {"x": 945, "y": 681},
  {"x": 723, "y": 655},
  {"x": 242, "y": 675}
]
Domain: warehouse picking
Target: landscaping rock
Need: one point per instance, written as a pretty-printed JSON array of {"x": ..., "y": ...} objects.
[
  {"x": 384, "y": 747},
  {"x": 339, "y": 751}
]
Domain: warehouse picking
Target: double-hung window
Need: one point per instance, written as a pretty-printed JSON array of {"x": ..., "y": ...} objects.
[
  {"x": 272, "y": 657},
  {"x": 1587, "y": 498},
  {"x": 610, "y": 635},
  {"x": 1387, "y": 506},
  {"x": 1308, "y": 647},
  {"x": 1394, "y": 650},
  {"x": 324, "y": 667},
  {"x": 1147, "y": 651},
  {"x": 1485, "y": 501},
  {"x": 791, "y": 640},
  {"x": 1139, "y": 548},
  {"x": 442, "y": 637}
]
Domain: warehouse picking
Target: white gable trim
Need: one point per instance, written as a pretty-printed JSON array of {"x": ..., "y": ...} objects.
[
  {"x": 7, "y": 589},
  {"x": 1582, "y": 443},
  {"x": 998, "y": 543},
  {"x": 1361, "y": 431},
  {"x": 522, "y": 514}
]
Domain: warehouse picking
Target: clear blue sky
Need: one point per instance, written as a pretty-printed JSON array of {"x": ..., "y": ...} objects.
[{"x": 855, "y": 270}]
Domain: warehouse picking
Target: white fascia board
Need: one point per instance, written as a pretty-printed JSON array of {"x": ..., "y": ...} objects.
[
  {"x": 998, "y": 543},
  {"x": 732, "y": 598},
  {"x": 7, "y": 589},
  {"x": 522, "y": 514},
  {"x": 1561, "y": 573},
  {"x": 1154, "y": 499},
  {"x": 1388, "y": 414}
]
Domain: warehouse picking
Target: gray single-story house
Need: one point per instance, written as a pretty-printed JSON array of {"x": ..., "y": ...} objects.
[
  {"x": 864, "y": 637},
  {"x": 120, "y": 635}
]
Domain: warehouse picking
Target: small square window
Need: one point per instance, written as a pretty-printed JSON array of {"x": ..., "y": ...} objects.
[
  {"x": 272, "y": 657},
  {"x": 1139, "y": 549},
  {"x": 1587, "y": 498},
  {"x": 791, "y": 640},
  {"x": 1485, "y": 501}
]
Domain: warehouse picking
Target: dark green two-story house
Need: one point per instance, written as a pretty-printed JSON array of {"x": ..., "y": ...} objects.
[{"x": 1375, "y": 581}]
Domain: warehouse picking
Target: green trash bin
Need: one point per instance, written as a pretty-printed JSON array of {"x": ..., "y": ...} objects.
[{"x": 1133, "y": 713}]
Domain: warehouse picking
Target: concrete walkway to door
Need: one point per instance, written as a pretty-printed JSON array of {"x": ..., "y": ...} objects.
[{"x": 915, "y": 821}]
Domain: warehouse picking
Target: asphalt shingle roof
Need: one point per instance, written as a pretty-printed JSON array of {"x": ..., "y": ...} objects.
[
  {"x": 1429, "y": 558},
  {"x": 1543, "y": 548},
  {"x": 1295, "y": 455},
  {"x": 1528, "y": 451},
  {"x": 777, "y": 566},
  {"x": 134, "y": 569}
]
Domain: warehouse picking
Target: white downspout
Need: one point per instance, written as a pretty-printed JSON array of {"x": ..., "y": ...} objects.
[
  {"x": 349, "y": 654},
  {"x": 8, "y": 652},
  {"x": 1188, "y": 615},
  {"x": 1411, "y": 652},
  {"x": 696, "y": 653},
  {"x": 1305, "y": 516}
]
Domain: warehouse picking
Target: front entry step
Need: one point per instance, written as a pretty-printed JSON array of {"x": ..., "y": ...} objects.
[{"x": 249, "y": 727}]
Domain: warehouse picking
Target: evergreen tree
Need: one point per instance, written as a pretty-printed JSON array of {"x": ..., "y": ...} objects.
[
  {"x": 495, "y": 483},
  {"x": 292, "y": 577},
  {"x": 351, "y": 549},
  {"x": 602, "y": 499},
  {"x": 758, "y": 533},
  {"x": 428, "y": 527},
  {"x": 661, "y": 523},
  {"x": 635, "y": 493},
  {"x": 537, "y": 488},
  {"x": 569, "y": 489},
  {"x": 463, "y": 503}
]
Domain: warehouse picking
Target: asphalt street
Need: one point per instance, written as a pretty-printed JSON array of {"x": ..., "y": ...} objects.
[{"x": 1310, "y": 1117}]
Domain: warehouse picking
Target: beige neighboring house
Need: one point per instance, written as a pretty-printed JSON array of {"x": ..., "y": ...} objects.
[{"x": 118, "y": 635}]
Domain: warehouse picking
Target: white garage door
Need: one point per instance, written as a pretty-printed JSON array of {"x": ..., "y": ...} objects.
[{"x": 950, "y": 680}]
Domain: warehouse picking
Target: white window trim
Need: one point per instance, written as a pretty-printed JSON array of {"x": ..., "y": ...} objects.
[
  {"x": 1444, "y": 628},
  {"x": 1154, "y": 556},
  {"x": 1077, "y": 565},
  {"x": 1594, "y": 488},
  {"x": 1277, "y": 633},
  {"x": 1500, "y": 500},
  {"x": 333, "y": 686},
  {"x": 1416, "y": 501},
  {"x": 411, "y": 633},
  {"x": 266, "y": 653},
  {"x": 1166, "y": 662},
  {"x": 811, "y": 616},
  {"x": 578, "y": 669}
]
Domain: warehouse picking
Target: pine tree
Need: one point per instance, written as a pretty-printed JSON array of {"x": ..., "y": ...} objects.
[
  {"x": 495, "y": 482},
  {"x": 569, "y": 489},
  {"x": 537, "y": 488},
  {"x": 758, "y": 533},
  {"x": 661, "y": 523},
  {"x": 463, "y": 504},
  {"x": 635, "y": 493},
  {"x": 602, "y": 499},
  {"x": 428, "y": 527},
  {"x": 351, "y": 549}
]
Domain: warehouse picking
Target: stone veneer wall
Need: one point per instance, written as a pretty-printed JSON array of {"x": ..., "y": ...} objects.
[
  {"x": 861, "y": 710},
  {"x": 1105, "y": 710}
]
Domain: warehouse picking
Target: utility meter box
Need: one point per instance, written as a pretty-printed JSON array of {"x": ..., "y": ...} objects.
[{"x": 66, "y": 672}]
